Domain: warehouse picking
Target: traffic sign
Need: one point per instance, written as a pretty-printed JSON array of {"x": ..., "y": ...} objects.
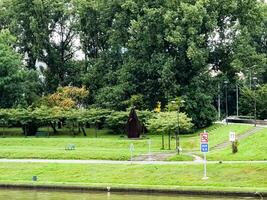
[
  {"x": 204, "y": 142},
  {"x": 204, "y": 148},
  {"x": 232, "y": 136},
  {"x": 204, "y": 137}
]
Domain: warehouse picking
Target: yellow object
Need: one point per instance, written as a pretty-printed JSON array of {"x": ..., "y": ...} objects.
[{"x": 158, "y": 107}]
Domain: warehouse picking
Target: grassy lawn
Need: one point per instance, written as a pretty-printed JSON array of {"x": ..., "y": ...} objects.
[
  {"x": 114, "y": 148},
  {"x": 221, "y": 176},
  {"x": 106, "y": 146},
  {"x": 251, "y": 148}
]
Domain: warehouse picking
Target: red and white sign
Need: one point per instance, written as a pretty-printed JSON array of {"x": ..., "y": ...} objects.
[{"x": 204, "y": 137}]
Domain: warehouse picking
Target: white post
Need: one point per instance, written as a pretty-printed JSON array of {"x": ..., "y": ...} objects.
[
  {"x": 149, "y": 149},
  {"x": 131, "y": 150},
  {"x": 205, "y": 167},
  {"x": 131, "y": 155}
]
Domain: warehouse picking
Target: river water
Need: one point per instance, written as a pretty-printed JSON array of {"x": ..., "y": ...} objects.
[{"x": 54, "y": 195}]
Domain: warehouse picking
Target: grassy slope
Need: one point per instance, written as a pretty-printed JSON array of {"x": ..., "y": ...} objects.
[
  {"x": 217, "y": 135},
  {"x": 221, "y": 176},
  {"x": 251, "y": 148},
  {"x": 106, "y": 147}
]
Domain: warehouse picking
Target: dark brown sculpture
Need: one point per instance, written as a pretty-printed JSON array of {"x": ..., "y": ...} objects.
[{"x": 133, "y": 126}]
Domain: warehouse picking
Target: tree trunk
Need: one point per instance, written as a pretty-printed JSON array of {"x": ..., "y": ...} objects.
[
  {"x": 83, "y": 130},
  {"x": 53, "y": 127}
]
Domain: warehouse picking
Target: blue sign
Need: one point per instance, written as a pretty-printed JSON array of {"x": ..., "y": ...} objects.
[{"x": 205, "y": 148}]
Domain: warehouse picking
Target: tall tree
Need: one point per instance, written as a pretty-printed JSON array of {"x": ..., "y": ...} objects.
[
  {"x": 46, "y": 33},
  {"x": 18, "y": 85}
]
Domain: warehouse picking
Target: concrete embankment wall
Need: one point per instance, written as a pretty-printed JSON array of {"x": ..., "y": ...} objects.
[{"x": 133, "y": 190}]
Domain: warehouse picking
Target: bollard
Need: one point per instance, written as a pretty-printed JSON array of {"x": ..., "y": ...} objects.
[{"x": 34, "y": 178}]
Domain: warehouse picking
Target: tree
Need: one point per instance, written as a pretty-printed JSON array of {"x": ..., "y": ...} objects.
[
  {"x": 199, "y": 101},
  {"x": 46, "y": 33},
  {"x": 67, "y": 97},
  {"x": 18, "y": 85},
  {"x": 250, "y": 97},
  {"x": 165, "y": 122}
]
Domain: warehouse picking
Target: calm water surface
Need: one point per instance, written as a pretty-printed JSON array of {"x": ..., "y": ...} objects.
[{"x": 48, "y": 195}]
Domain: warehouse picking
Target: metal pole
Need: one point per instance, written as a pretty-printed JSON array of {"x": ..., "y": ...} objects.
[
  {"x": 205, "y": 177},
  {"x": 205, "y": 166},
  {"x": 219, "y": 103},
  {"x": 178, "y": 133},
  {"x": 237, "y": 101},
  {"x": 226, "y": 103},
  {"x": 255, "y": 111},
  {"x": 255, "y": 101},
  {"x": 250, "y": 79},
  {"x": 169, "y": 134}
]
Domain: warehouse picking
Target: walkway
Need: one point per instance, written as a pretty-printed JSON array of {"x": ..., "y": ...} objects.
[
  {"x": 155, "y": 156},
  {"x": 123, "y": 162}
]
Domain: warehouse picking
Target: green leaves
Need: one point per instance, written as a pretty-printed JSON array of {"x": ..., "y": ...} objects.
[
  {"x": 250, "y": 97},
  {"x": 169, "y": 121},
  {"x": 18, "y": 86},
  {"x": 155, "y": 49}
]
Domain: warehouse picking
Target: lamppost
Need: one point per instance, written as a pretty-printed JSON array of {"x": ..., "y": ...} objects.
[
  {"x": 255, "y": 101},
  {"x": 177, "y": 135},
  {"x": 219, "y": 103},
  {"x": 237, "y": 101},
  {"x": 250, "y": 72},
  {"x": 226, "y": 101}
]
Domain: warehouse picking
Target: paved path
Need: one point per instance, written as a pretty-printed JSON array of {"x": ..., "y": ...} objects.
[
  {"x": 155, "y": 156},
  {"x": 196, "y": 158},
  {"x": 122, "y": 162}
]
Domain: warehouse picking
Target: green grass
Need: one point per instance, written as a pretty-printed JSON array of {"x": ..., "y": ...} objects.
[
  {"x": 106, "y": 146},
  {"x": 181, "y": 157},
  {"x": 86, "y": 148},
  {"x": 253, "y": 147},
  {"x": 217, "y": 135},
  {"x": 221, "y": 176}
]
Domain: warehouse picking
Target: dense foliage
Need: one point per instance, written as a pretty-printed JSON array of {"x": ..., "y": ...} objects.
[
  {"x": 98, "y": 118},
  {"x": 132, "y": 52}
]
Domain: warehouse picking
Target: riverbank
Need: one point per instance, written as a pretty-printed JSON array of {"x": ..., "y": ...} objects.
[
  {"x": 229, "y": 178},
  {"x": 141, "y": 190}
]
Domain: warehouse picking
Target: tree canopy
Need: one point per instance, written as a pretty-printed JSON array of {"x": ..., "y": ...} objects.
[{"x": 133, "y": 52}]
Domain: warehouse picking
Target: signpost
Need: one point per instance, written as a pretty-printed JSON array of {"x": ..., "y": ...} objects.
[
  {"x": 149, "y": 149},
  {"x": 149, "y": 146},
  {"x": 232, "y": 136},
  {"x": 204, "y": 147},
  {"x": 131, "y": 150}
]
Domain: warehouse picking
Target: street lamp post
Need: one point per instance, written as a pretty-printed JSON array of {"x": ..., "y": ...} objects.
[
  {"x": 219, "y": 103},
  {"x": 177, "y": 136},
  {"x": 255, "y": 101},
  {"x": 237, "y": 101},
  {"x": 226, "y": 101},
  {"x": 255, "y": 112}
]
